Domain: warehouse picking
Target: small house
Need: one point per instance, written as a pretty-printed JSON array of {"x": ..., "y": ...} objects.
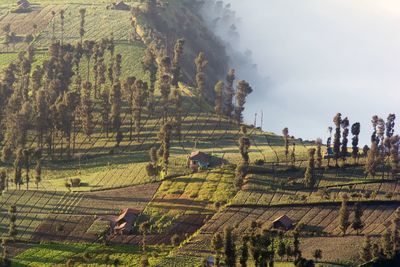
[
  {"x": 198, "y": 160},
  {"x": 123, "y": 223},
  {"x": 283, "y": 223},
  {"x": 23, "y": 2},
  {"x": 120, "y": 5},
  {"x": 23, "y": 6}
]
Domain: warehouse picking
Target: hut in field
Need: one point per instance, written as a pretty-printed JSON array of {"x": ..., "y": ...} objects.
[
  {"x": 120, "y": 5},
  {"x": 282, "y": 223},
  {"x": 198, "y": 160},
  {"x": 23, "y": 6},
  {"x": 123, "y": 223}
]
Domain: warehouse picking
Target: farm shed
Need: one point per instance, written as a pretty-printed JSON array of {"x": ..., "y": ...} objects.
[
  {"x": 283, "y": 223},
  {"x": 123, "y": 223},
  {"x": 120, "y": 5},
  {"x": 22, "y": 7},
  {"x": 198, "y": 160}
]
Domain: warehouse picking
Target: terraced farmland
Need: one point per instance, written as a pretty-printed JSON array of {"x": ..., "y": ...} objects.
[{"x": 321, "y": 218}]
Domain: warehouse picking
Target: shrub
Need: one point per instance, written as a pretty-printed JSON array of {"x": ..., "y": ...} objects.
[
  {"x": 175, "y": 240},
  {"x": 59, "y": 227},
  {"x": 259, "y": 162},
  {"x": 76, "y": 182}
]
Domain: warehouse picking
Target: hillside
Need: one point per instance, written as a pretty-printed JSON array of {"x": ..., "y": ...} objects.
[{"x": 95, "y": 152}]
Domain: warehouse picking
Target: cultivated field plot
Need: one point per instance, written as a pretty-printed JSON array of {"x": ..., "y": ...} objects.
[
  {"x": 318, "y": 218},
  {"x": 52, "y": 254},
  {"x": 99, "y": 23},
  {"x": 184, "y": 227},
  {"x": 65, "y": 228},
  {"x": 43, "y": 212},
  {"x": 33, "y": 206},
  {"x": 113, "y": 201},
  {"x": 193, "y": 194},
  {"x": 40, "y": 16},
  {"x": 262, "y": 190}
]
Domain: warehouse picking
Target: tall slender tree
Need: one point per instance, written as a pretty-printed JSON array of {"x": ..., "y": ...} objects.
[
  {"x": 285, "y": 133},
  {"x": 318, "y": 142},
  {"x": 355, "y": 131},
  {"x": 230, "y": 93},
  {"x": 201, "y": 64},
  {"x": 344, "y": 215},
  {"x": 82, "y": 13},
  {"x": 217, "y": 245},
  {"x": 337, "y": 120},
  {"x": 176, "y": 68},
  {"x": 357, "y": 223},
  {"x": 243, "y": 90},
  {"x": 149, "y": 65},
  {"x": 229, "y": 248},
  {"x": 219, "y": 94},
  {"x": 165, "y": 139},
  {"x": 345, "y": 126},
  {"x": 309, "y": 176}
]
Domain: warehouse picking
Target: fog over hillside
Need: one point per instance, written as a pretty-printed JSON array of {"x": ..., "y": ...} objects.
[{"x": 314, "y": 59}]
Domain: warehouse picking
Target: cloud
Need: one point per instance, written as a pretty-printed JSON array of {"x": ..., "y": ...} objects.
[{"x": 316, "y": 58}]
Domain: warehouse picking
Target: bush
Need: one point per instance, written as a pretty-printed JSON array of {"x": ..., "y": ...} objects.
[
  {"x": 259, "y": 162},
  {"x": 175, "y": 240},
  {"x": 76, "y": 182}
]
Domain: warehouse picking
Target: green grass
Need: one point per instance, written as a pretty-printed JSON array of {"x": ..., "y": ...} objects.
[{"x": 58, "y": 254}]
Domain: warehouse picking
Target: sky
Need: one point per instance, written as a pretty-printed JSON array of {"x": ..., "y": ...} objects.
[{"x": 316, "y": 58}]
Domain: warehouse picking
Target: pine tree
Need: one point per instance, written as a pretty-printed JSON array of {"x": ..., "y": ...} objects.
[
  {"x": 27, "y": 161},
  {"x": 62, "y": 17},
  {"x": 105, "y": 111},
  {"x": 18, "y": 163},
  {"x": 243, "y": 90},
  {"x": 285, "y": 133},
  {"x": 394, "y": 155},
  {"x": 219, "y": 92},
  {"x": 345, "y": 126},
  {"x": 319, "y": 152},
  {"x": 42, "y": 116},
  {"x": 244, "y": 146},
  {"x": 82, "y": 13},
  {"x": 217, "y": 245},
  {"x": 355, "y": 131},
  {"x": 176, "y": 69},
  {"x": 12, "y": 231},
  {"x": 372, "y": 160},
  {"x": 229, "y": 248},
  {"x": 357, "y": 224},
  {"x": 344, "y": 215},
  {"x": 115, "y": 100},
  {"x": 149, "y": 65},
  {"x": 165, "y": 139},
  {"x": 366, "y": 249},
  {"x": 230, "y": 93},
  {"x": 177, "y": 102},
  {"x": 128, "y": 91},
  {"x": 387, "y": 243},
  {"x": 337, "y": 120},
  {"x": 164, "y": 84},
  {"x": 86, "y": 110},
  {"x": 139, "y": 96},
  {"x": 396, "y": 231},
  {"x": 309, "y": 176},
  {"x": 244, "y": 252},
  {"x": 281, "y": 249},
  {"x": 38, "y": 167},
  {"x": 201, "y": 64}
]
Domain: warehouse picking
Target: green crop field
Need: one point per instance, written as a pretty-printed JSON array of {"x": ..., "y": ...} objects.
[{"x": 87, "y": 255}]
